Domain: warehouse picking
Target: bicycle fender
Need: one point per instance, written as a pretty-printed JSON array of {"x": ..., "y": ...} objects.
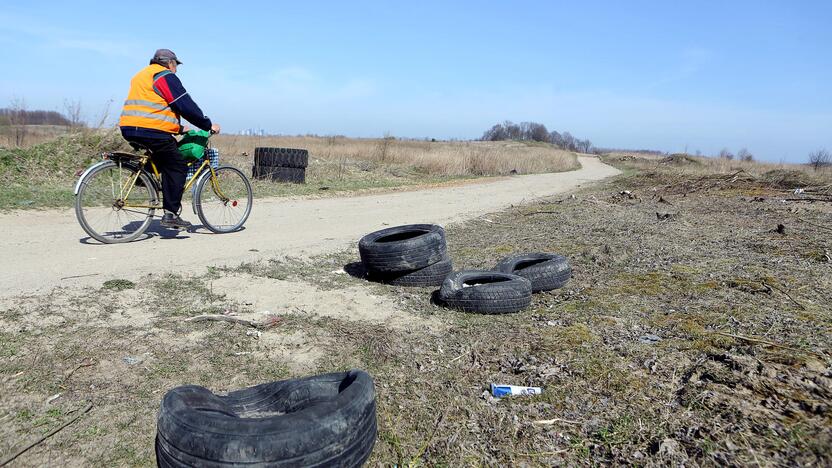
[{"x": 86, "y": 173}]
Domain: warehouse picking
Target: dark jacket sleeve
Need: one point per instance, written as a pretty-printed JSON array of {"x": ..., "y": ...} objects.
[{"x": 170, "y": 88}]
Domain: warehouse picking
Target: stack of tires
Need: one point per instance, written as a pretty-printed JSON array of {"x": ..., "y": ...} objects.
[
  {"x": 412, "y": 255},
  {"x": 280, "y": 164},
  {"x": 325, "y": 420},
  {"x": 416, "y": 255},
  {"x": 508, "y": 287}
]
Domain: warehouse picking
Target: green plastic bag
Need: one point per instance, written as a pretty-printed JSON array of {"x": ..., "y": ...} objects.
[{"x": 192, "y": 145}]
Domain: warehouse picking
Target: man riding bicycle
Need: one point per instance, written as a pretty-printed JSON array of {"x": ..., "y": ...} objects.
[{"x": 150, "y": 118}]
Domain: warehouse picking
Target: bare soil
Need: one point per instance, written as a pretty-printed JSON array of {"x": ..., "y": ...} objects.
[
  {"x": 44, "y": 249},
  {"x": 694, "y": 331}
]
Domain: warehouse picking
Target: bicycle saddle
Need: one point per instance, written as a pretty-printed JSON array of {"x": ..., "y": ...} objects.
[{"x": 140, "y": 147}]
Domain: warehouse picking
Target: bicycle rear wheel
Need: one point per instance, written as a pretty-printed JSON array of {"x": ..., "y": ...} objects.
[
  {"x": 223, "y": 201},
  {"x": 104, "y": 212}
]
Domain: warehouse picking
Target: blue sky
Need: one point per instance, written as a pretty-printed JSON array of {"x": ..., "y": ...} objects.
[{"x": 665, "y": 75}]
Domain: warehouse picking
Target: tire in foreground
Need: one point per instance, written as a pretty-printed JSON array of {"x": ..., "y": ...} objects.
[
  {"x": 431, "y": 275},
  {"x": 545, "y": 271},
  {"x": 325, "y": 420},
  {"x": 402, "y": 248},
  {"x": 486, "y": 292}
]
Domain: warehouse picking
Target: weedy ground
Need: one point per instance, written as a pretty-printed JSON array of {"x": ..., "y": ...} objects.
[
  {"x": 44, "y": 175},
  {"x": 694, "y": 331}
]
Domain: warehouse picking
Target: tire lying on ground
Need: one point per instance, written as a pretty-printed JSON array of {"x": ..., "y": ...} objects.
[
  {"x": 431, "y": 275},
  {"x": 486, "y": 292},
  {"x": 546, "y": 271},
  {"x": 281, "y": 157},
  {"x": 279, "y": 174},
  {"x": 402, "y": 248},
  {"x": 325, "y": 420}
]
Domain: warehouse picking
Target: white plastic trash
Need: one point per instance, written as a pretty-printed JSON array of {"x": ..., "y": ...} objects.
[{"x": 500, "y": 391}]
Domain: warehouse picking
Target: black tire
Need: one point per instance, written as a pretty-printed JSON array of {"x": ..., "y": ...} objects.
[
  {"x": 486, "y": 292},
  {"x": 280, "y": 174},
  {"x": 281, "y": 157},
  {"x": 545, "y": 271},
  {"x": 116, "y": 225},
  {"x": 431, "y": 275},
  {"x": 402, "y": 248},
  {"x": 325, "y": 420},
  {"x": 228, "y": 209}
]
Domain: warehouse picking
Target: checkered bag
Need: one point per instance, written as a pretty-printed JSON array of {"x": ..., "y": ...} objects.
[{"x": 213, "y": 159}]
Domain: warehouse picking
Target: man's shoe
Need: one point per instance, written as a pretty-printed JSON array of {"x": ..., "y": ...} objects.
[{"x": 175, "y": 222}]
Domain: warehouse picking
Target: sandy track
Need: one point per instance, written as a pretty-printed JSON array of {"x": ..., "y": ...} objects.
[{"x": 44, "y": 249}]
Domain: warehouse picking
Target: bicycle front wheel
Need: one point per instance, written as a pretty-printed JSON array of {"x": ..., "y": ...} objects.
[
  {"x": 223, "y": 201},
  {"x": 111, "y": 209}
]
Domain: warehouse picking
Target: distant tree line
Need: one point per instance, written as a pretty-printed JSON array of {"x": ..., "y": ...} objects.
[
  {"x": 32, "y": 117},
  {"x": 533, "y": 131}
]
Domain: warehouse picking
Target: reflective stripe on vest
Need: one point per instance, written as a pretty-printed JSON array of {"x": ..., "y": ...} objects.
[
  {"x": 149, "y": 115},
  {"x": 144, "y": 108},
  {"x": 139, "y": 102}
]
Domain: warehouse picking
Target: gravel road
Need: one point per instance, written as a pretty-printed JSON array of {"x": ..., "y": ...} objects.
[{"x": 46, "y": 249}]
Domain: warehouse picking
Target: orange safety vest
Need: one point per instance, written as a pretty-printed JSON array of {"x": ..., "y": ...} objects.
[{"x": 144, "y": 107}]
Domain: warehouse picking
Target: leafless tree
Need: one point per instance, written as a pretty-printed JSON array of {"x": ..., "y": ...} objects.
[
  {"x": 513, "y": 130},
  {"x": 568, "y": 142},
  {"x": 495, "y": 133},
  {"x": 72, "y": 110},
  {"x": 584, "y": 146},
  {"x": 820, "y": 158},
  {"x": 383, "y": 147},
  {"x": 744, "y": 155},
  {"x": 725, "y": 154},
  {"x": 556, "y": 139},
  {"x": 534, "y": 131},
  {"x": 17, "y": 119}
]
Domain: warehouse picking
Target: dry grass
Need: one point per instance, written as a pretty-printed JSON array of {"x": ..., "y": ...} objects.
[
  {"x": 43, "y": 174},
  {"x": 696, "y": 165},
  {"x": 31, "y": 134},
  {"x": 454, "y": 159},
  {"x": 704, "y": 281}
]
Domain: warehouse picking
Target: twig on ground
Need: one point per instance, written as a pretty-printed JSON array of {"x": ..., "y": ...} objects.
[
  {"x": 458, "y": 357},
  {"x": 549, "y": 422},
  {"x": 492, "y": 222},
  {"x": 598, "y": 202},
  {"x": 79, "y": 366},
  {"x": 810, "y": 200},
  {"x": 542, "y": 454},
  {"x": 269, "y": 323},
  {"x": 776, "y": 288},
  {"x": 48, "y": 435},
  {"x": 815, "y": 225},
  {"x": 415, "y": 460},
  {"x": 80, "y": 276},
  {"x": 540, "y": 212},
  {"x": 765, "y": 342}
]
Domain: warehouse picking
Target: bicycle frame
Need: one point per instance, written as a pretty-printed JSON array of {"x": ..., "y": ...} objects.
[{"x": 142, "y": 161}]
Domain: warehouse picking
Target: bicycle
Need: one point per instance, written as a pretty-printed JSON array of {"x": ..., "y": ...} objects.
[{"x": 116, "y": 199}]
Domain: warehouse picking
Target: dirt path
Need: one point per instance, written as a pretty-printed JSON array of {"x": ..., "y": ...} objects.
[{"x": 45, "y": 249}]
